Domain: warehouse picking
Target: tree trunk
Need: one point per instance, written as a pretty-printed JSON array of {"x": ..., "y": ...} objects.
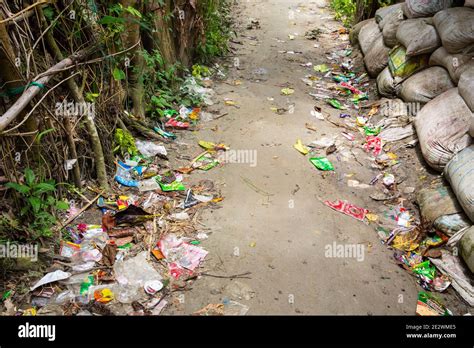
[
  {"x": 129, "y": 38},
  {"x": 188, "y": 28},
  {"x": 162, "y": 37},
  {"x": 12, "y": 78}
]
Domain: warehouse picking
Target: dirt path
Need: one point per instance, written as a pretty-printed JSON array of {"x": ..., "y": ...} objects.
[{"x": 282, "y": 238}]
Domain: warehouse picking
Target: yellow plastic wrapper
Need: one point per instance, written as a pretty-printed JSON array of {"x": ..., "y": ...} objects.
[
  {"x": 287, "y": 91},
  {"x": 408, "y": 241},
  {"x": 104, "y": 296},
  {"x": 300, "y": 147}
]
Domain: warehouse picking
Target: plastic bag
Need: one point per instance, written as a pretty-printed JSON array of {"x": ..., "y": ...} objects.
[
  {"x": 466, "y": 248},
  {"x": 437, "y": 202},
  {"x": 149, "y": 148},
  {"x": 135, "y": 271},
  {"x": 384, "y": 12}
]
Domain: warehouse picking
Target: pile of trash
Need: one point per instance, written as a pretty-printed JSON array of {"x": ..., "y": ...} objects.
[
  {"x": 423, "y": 53},
  {"x": 401, "y": 47},
  {"x": 139, "y": 245}
]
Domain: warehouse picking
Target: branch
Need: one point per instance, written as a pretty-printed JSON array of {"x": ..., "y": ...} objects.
[
  {"x": 10, "y": 115},
  {"x": 42, "y": 2}
]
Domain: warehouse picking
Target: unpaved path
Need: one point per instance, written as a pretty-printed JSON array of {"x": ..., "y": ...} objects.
[{"x": 281, "y": 238}]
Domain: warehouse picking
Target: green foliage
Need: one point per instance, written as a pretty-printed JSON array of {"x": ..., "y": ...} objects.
[
  {"x": 115, "y": 21},
  {"x": 125, "y": 142},
  {"x": 48, "y": 13},
  {"x": 118, "y": 74},
  {"x": 38, "y": 204},
  {"x": 217, "y": 30},
  {"x": 162, "y": 86},
  {"x": 346, "y": 9},
  {"x": 200, "y": 71}
]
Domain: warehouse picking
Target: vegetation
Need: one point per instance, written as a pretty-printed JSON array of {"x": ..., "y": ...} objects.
[
  {"x": 128, "y": 59},
  {"x": 38, "y": 204},
  {"x": 354, "y": 11}
]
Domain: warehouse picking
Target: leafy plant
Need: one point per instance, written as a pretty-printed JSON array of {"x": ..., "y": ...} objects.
[
  {"x": 217, "y": 30},
  {"x": 346, "y": 9},
  {"x": 162, "y": 85},
  {"x": 200, "y": 71},
  {"x": 38, "y": 204},
  {"x": 125, "y": 142}
]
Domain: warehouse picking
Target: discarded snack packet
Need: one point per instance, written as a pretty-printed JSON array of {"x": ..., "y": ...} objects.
[
  {"x": 373, "y": 144},
  {"x": 428, "y": 305},
  {"x": 348, "y": 209},
  {"x": 322, "y": 163}
]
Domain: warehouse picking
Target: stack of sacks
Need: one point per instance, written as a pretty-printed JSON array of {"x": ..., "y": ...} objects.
[
  {"x": 456, "y": 30},
  {"x": 444, "y": 125},
  {"x": 372, "y": 46},
  {"x": 466, "y": 90},
  {"x": 430, "y": 62},
  {"x": 422, "y": 35}
]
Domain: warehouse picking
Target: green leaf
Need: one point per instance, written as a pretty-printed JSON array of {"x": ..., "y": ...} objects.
[
  {"x": 29, "y": 176},
  {"x": 118, "y": 74},
  {"x": 43, "y": 187},
  {"x": 91, "y": 97},
  {"x": 24, "y": 210},
  {"x": 23, "y": 189},
  {"x": 133, "y": 11},
  {"x": 62, "y": 205},
  {"x": 48, "y": 13},
  {"x": 35, "y": 203},
  {"x": 107, "y": 20},
  {"x": 40, "y": 135},
  {"x": 50, "y": 200}
]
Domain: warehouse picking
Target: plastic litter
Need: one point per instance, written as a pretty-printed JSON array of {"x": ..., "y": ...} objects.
[
  {"x": 322, "y": 163},
  {"x": 300, "y": 147},
  {"x": 50, "y": 278},
  {"x": 150, "y": 149},
  {"x": 428, "y": 305},
  {"x": 348, "y": 209}
]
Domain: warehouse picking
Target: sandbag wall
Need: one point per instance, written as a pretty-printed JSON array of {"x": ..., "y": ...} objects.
[{"x": 423, "y": 52}]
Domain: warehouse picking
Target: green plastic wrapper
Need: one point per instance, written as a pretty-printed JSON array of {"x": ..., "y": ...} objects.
[
  {"x": 402, "y": 66},
  {"x": 429, "y": 305},
  {"x": 425, "y": 269},
  {"x": 321, "y": 68},
  {"x": 174, "y": 186},
  {"x": 372, "y": 130},
  {"x": 205, "y": 162},
  {"x": 335, "y": 104},
  {"x": 358, "y": 97},
  {"x": 88, "y": 282},
  {"x": 322, "y": 163}
]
